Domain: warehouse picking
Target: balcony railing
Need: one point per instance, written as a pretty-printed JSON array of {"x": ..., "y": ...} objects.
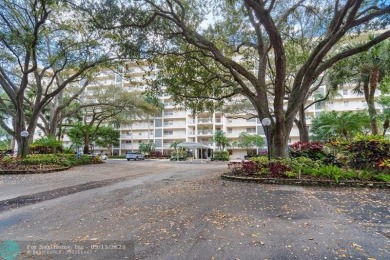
[
  {"x": 205, "y": 120},
  {"x": 205, "y": 132}
]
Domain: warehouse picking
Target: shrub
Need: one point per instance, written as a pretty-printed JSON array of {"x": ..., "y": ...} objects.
[
  {"x": 384, "y": 166},
  {"x": 9, "y": 161},
  {"x": 243, "y": 168},
  {"x": 221, "y": 156},
  {"x": 368, "y": 152},
  {"x": 279, "y": 168},
  {"x": 301, "y": 165},
  {"x": 155, "y": 155},
  {"x": 332, "y": 172},
  {"x": 46, "y": 145},
  {"x": 181, "y": 155},
  {"x": 95, "y": 160},
  {"x": 37, "y": 159},
  {"x": 382, "y": 177},
  {"x": 312, "y": 150}
]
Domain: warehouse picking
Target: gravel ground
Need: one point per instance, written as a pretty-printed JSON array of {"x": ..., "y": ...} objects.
[{"x": 175, "y": 210}]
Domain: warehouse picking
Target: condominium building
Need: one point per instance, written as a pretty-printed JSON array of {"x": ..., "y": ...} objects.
[{"x": 178, "y": 124}]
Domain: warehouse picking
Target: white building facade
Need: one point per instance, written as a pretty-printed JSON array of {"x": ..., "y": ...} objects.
[{"x": 177, "y": 124}]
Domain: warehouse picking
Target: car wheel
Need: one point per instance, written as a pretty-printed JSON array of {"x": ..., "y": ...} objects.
[
  {"x": 128, "y": 159},
  {"x": 136, "y": 158}
]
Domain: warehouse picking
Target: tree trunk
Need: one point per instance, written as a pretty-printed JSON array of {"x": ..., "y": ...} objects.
[
  {"x": 302, "y": 126},
  {"x": 386, "y": 126},
  {"x": 278, "y": 144},
  {"x": 86, "y": 145},
  {"x": 374, "y": 76}
]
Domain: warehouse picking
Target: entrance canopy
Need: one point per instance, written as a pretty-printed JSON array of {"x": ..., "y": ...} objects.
[{"x": 192, "y": 145}]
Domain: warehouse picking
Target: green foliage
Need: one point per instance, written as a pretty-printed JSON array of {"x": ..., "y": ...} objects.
[
  {"x": 146, "y": 148},
  {"x": 37, "y": 159},
  {"x": 221, "y": 155},
  {"x": 249, "y": 141},
  {"x": 7, "y": 161},
  {"x": 78, "y": 132},
  {"x": 180, "y": 155},
  {"x": 279, "y": 167},
  {"x": 382, "y": 177},
  {"x": 220, "y": 139},
  {"x": 301, "y": 165},
  {"x": 312, "y": 150},
  {"x": 332, "y": 172},
  {"x": 368, "y": 152},
  {"x": 329, "y": 126},
  {"x": 107, "y": 137},
  {"x": 58, "y": 159},
  {"x": 46, "y": 145}
]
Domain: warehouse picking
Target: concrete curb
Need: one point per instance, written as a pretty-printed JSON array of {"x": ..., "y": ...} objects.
[
  {"x": 9, "y": 172},
  {"x": 307, "y": 182}
]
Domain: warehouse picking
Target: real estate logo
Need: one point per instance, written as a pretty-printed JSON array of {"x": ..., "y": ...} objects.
[{"x": 9, "y": 250}]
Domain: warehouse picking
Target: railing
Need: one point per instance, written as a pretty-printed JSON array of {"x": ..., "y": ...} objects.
[
  {"x": 204, "y": 120},
  {"x": 205, "y": 132}
]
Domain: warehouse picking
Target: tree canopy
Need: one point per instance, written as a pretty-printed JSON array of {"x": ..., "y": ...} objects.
[
  {"x": 248, "y": 49},
  {"x": 43, "y": 52}
]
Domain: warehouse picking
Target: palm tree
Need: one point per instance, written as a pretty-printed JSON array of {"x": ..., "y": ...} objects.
[
  {"x": 332, "y": 125},
  {"x": 220, "y": 140},
  {"x": 365, "y": 70}
]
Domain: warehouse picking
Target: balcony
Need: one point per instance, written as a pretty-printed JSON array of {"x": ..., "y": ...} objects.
[
  {"x": 205, "y": 120},
  {"x": 218, "y": 121},
  {"x": 205, "y": 132}
]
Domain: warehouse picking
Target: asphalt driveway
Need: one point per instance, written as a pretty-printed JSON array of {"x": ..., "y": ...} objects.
[{"x": 177, "y": 210}]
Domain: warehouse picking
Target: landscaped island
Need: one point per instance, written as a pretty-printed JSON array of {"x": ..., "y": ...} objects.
[{"x": 364, "y": 159}]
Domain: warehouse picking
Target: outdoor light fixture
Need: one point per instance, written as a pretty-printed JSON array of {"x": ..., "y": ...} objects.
[
  {"x": 24, "y": 135},
  {"x": 266, "y": 122}
]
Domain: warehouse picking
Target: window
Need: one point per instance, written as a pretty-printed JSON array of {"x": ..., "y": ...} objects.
[
  {"x": 168, "y": 132},
  {"x": 168, "y": 113},
  {"x": 230, "y": 120},
  {"x": 345, "y": 92},
  {"x": 229, "y": 130},
  {"x": 251, "y": 130},
  {"x": 139, "y": 133},
  {"x": 128, "y": 142},
  {"x": 250, "y": 120},
  {"x": 128, "y": 133},
  {"x": 168, "y": 122},
  {"x": 346, "y": 103},
  {"x": 118, "y": 78}
]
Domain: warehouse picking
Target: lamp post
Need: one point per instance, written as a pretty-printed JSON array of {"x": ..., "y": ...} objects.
[
  {"x": 24, "y": 135},
  {"x": 266, "y": 122}
]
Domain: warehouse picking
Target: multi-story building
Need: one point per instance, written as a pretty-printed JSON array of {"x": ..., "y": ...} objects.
[{"x": 176, "y": 124}]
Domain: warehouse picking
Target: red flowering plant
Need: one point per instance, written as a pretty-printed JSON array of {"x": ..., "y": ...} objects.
[{"x": 312, "y": 150}]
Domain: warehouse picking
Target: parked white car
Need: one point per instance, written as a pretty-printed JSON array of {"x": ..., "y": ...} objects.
[{"x": 134, "y": 156}]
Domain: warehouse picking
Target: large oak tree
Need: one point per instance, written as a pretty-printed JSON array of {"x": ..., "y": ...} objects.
[
  {"x": 219, "y": 49},
  {"x": 45, "y": 47}
]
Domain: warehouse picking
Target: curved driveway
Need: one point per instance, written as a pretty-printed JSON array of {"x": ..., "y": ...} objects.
[{"x": 178, "y": 210}]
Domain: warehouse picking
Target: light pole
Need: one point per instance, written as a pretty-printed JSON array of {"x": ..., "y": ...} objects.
[
  {"x": 24, "y": 135},
  {"x": 266, "y": 122}
]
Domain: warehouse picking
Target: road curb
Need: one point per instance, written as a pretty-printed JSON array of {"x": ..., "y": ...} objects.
[{"x": 307, "y": 182}]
